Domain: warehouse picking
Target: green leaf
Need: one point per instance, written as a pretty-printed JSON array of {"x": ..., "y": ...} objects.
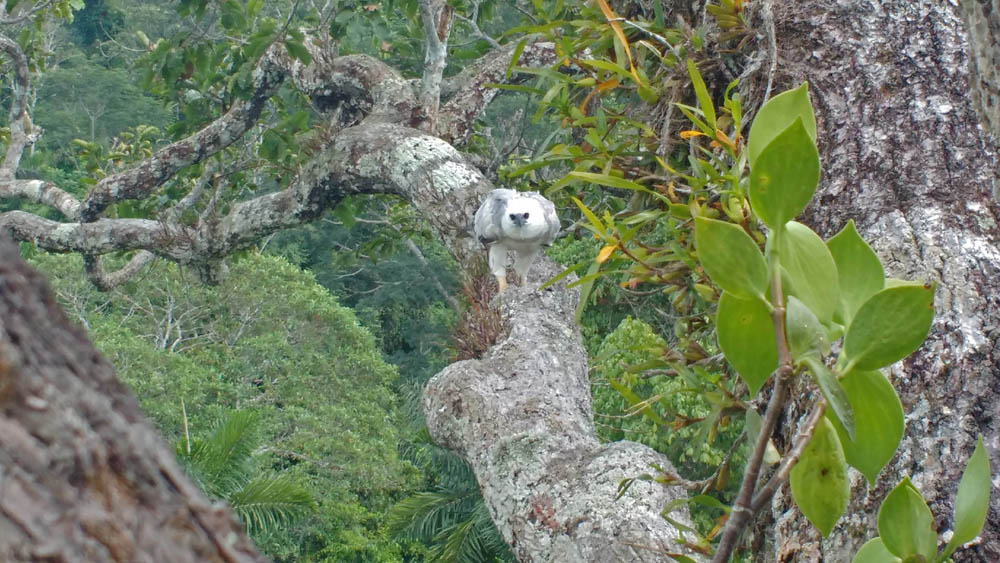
[
  {"x": 972, "y": 500},
  {"x": 906, "y": 524},
  {"x": 874, "y": 551},
  {"x": 889, "y": 326},
  {"x": 776, "y": 115},
  {"x": 785, "y": 176},
  {"x": 806, "y": 336},
  {"x": 819, "y": 479},
  {"x": 515, "y": 56},
  {"x": 858, "y": 269},
  {"x": 878, "y": 422},
  {"x": 298, "y": 51},
  {"x": 701, "y": 92},
  {"x": 810, "y": 270},
  {"x": 834, "y": 393},
  {"x": 746, "y": 336},
  {"x": 594, "y": 221},
  {"x": 731, "y": 258}
]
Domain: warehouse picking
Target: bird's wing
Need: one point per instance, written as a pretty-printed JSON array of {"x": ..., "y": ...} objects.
[
  {"x": 551, "y": 219},
  {"x": 487, "y": 225}
]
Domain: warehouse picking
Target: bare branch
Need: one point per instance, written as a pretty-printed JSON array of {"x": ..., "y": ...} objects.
[
  {"x": 46, "y": 193},
  {"x": 21, "y": 133},
  {"x": 437, "y": 19},
  {"x": 149, "y": 174},
  {"x": 763, "y": 496},
  {"x": 105, "y": 280},
  {"x": 459, "y": 113},
  {"x": 25, "y": 15}
]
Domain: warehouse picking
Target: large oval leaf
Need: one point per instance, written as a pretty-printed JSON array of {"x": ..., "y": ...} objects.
[
  {"x": 730, "y": 257},
  {"x": 859, "y": 271},
  {"x": 973, "y": 499},
  {"x": 819, "y": 479},
  {"x": 806, "y": 336},
  {"x": 746, "y": 336},
  {"x": 889, "y": 326},
  {"x": 785, "y": 176},
  {"x": 905, "y": 524},
  {"x": 874, "y": 551},
  {"x": 810, "y": 270},
  {"x": 776, "y": 115},
  {"x": 878, "y": 422}
]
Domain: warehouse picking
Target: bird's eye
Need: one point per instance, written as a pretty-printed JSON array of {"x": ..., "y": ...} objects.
[{"x": 525, "y": 215}]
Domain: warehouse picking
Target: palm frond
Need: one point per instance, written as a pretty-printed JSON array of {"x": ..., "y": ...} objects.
[
  {"x": 423, "y": 515},
  {"x": 221, "y": 462},
  {"x": 266, "y": 503}
]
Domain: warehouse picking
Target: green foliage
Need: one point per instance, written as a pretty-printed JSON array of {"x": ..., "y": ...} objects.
[
  {"x": 746, "y": 337},
  {"x": 888, "y": 327},
  {"x": 878, "y": 422},
  {"x": 906, "y": 525},
  {"x": 731, "y": 258},
  {"x": 269, "y": 337},
  {"x": 223, "y": 465},
  {"x": 819, "y": 480},
  {"x": 451, "y": 518},
  {"x": 660, "y": 407}
]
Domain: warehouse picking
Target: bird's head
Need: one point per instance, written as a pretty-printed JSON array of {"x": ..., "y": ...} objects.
[{"x": 524, "y": 216}]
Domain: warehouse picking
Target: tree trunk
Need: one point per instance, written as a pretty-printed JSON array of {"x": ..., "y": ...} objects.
[
  {"x": 903, "y": 154},
  {"x": 523, "y": 418},
  {"x": 83, "y": 475}
]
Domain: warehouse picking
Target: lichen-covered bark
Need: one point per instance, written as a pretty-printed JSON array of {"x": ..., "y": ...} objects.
[
  {"x": 522, "y": 416},
  {"x": 83, "y": 475},
  {"x": 903, "y": 155}
]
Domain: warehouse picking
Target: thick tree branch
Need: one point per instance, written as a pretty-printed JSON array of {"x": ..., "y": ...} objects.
[
  {"x": 21, "y": 133},
  {"x": 471, "y": 95},
  {"x": 46, "y": 193},
  {"x": 522, "y": 417},
  {"x": 149, "y": 174}
]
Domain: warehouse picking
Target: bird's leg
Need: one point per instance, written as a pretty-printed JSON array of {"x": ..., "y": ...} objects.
[
  {"x": 522, "y": 263},
  {"x": 497, "y": 258}
]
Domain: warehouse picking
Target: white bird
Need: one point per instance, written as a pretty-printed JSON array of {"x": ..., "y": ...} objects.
[{"x": 518, "y": 222}]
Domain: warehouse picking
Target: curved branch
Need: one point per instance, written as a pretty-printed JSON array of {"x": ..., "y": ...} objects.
[
  {"x": 149, "y": 174},
  {"x": 101, "y": 236},
  {"x": 46, "y": 193},
  {"x": 471, "y": 96},
  {"x": 365, "y": 84},
  {"x": 104, "y": 280}
]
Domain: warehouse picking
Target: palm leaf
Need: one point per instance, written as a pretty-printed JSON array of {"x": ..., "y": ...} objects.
[
  {"x": 221, "y": 462},
  {"x": 267, "y": 503}
]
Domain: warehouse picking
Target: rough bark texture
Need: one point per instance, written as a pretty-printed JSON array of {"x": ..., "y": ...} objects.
[
  {"x": 522, "y": 416},
  {"x": 83, "y": 475},
  {"x": 903, "y": 155}
]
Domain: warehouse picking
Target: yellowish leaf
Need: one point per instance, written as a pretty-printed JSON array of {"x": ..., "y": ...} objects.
[
  {"x": 691, "y": 133},
  {"x": 605, "y": 253}
]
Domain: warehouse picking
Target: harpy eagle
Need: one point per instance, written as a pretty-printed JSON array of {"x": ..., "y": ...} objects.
[{"x": 519, "y": 222}]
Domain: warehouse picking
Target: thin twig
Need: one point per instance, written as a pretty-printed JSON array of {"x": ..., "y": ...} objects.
[{"x": 765, "y": 493}]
